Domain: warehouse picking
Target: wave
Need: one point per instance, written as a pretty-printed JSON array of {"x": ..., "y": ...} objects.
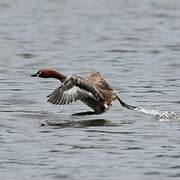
[{"x": 158, "y": 114}]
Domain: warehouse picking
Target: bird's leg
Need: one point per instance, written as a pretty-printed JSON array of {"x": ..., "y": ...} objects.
[{"x": 85, "y": 113}]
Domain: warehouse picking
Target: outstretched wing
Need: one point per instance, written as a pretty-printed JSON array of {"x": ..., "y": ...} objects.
[
  {"x": 72, "y": 89},
  {"x": 64, "y": 97},
  {"x": 98, "y": 80}
]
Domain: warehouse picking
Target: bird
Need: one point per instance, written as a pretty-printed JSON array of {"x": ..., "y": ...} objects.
[{"x": 90, "y": 88}]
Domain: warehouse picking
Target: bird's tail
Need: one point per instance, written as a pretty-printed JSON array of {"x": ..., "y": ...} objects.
[{"x": 126, "y": 105}]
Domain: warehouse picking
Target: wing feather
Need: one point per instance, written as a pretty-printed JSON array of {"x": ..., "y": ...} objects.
[
  {"x": 64, "y": 97},
  {"x": 72, "y": 89}
]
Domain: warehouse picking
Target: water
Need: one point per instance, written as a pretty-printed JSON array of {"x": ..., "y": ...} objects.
[{"x": 135, "y": 45}]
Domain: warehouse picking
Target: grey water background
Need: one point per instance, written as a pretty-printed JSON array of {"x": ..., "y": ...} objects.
[{"x": 134, "y": 44}]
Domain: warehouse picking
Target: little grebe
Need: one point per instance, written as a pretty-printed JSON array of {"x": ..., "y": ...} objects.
[{"x": 91, "y": 89}]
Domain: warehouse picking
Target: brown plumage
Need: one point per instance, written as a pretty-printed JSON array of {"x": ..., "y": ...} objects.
[{"x": 91, "y": 89}]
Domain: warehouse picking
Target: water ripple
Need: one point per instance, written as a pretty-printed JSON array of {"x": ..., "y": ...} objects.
[{"x": 134, "y": 44}]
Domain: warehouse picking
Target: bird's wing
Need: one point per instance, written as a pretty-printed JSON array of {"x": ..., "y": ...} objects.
[
  {"x": 64, "y": 97},
  {"x": 72, "y": 89},
  {"x": 87, "y": 85},
  {"x": 98, "y": 80}
]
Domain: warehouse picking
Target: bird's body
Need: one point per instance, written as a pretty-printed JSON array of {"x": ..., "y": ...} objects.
[{"x": 90, "y": 88}]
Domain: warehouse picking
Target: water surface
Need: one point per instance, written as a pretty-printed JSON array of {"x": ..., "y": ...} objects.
[{"x": 134, "y": 44}]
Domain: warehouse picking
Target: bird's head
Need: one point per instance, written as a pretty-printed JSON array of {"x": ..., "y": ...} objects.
[{"x": 43, "y": 73}]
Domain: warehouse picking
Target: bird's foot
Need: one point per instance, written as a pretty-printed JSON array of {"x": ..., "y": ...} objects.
[{"x": 85, "y": 113}]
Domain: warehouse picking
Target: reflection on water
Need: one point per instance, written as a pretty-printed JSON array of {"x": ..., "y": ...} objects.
[
  {"x": 135, "y": 45},
  {"x": 78, "y": 124}
]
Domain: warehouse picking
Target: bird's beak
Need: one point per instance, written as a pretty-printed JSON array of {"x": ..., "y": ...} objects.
[{"x": 34, "y": 75}]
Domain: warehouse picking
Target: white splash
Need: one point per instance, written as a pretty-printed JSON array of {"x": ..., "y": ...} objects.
[{"x": 160, "y": 115}]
